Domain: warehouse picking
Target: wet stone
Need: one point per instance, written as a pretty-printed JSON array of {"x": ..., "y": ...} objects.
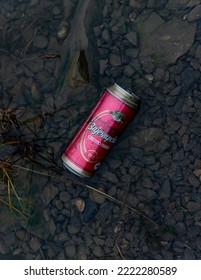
[
  {"x": 163, "y": 145},
  {"x": 197, "y": 164},
  {"x": 49, "y": 193},
  {"x": 10, "y": 239},
  {"x": 71, "y": 251},
  {"x": 128, "y": 71},
  {"x": 115, "y": 71},
  {"x": 180, "y": 228},
  {"x": 189, "y": 255},
  {"x": 132, "y": 38},
  {"x": 147, "y": 138},
  {"x": 64, "y": 196},
  {"x": 114, "y": 163},
  {"x": 193, "y": 206},
  {"x": 97, "y": 197},
  {"x": 52, "y": 226},
  {"x": 23, "y": 235},
  {"x": 192, "y": 3},
  {"x": 99, "y": 241},
  {"x": 98, "y": 251},
  {"x": 35, "y": 244},
  {"x": 137, "y": 153},
  {"x": 178, "y": 155},
  {"x": 103, "y": 65},
  {"x": 73, "y": 229},
  {"x": 111, "y": 177},
  {"x": 194, "y": 181},
  {"x": 4, "y": 249},
  {"x": 132, "y": 52},
  {"x": 134, "y": 170},
  {"x": 105, "y": 211},
  {"x": 195, "y": 14},
  {"x": 34, "y": 3},
  {"x": 103, "y": 53},
  {"x": 81, "y": 253},
  {"x": 119, "y": 28},
  {"x": 90, "y": 211},
  {"x": 59, "y": 204},
  {"x": 164, "y": 48},
  {"x": 149, "y": 160},
  {"x": 40, "y": 42},
  {"x": 106, "y": 35},
  {"x": 176, "y": 4},
  {"x": 115, "y": 60},
  {"x": 193, "y": 232},
  {"x": 165, "y": 189},
  {"x": 188, "y": 77}
]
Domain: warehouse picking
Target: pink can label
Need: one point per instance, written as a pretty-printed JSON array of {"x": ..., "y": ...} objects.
[{"x": 98, "y": 134}]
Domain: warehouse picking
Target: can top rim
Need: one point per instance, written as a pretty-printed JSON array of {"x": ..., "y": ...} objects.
[{"x": 125, "y": 95}]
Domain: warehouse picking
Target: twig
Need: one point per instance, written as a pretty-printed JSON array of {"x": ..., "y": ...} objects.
[
  {"x": 119, "y": 250},
  {"x": 25, "y": 49}
]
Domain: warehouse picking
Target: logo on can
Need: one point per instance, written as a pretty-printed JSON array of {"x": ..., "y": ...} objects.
[{"x": 109, "y": 118}]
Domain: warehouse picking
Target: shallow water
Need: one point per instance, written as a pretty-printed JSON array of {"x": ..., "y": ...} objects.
[{"x": 56, "y": 58}]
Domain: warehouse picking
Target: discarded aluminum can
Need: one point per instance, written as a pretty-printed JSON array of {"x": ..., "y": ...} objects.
[{"x": 101, "y": 130}]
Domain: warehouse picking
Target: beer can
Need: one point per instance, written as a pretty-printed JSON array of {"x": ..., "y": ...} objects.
[{"x": 101, "y": 130}]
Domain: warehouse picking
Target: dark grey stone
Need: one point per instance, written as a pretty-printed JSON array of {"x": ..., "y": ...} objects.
[{"x": 105, "y": 211}]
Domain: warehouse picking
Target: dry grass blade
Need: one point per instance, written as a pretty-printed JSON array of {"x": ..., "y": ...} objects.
[
  {"x": 9, "y": 143},
  {"x": 10, "y": 188},
  {"x": 119, "y": 250},
  {"x": 13, "y": 208}
]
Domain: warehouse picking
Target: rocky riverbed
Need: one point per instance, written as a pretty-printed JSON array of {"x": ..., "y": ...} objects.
[{"x": 145, "y": 200}]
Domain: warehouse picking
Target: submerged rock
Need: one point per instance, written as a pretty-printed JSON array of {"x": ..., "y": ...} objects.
[
  {"x": 90, "y": 211},
  {"x": 164, "y": 42}
]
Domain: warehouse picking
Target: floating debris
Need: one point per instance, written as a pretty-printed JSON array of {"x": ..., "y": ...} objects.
[
  {"x": 78, "y": 73},
  {"x": 62, "y": 32}
]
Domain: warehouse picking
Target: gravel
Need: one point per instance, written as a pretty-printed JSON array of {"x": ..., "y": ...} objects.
[{"x": 133, "y": 44}]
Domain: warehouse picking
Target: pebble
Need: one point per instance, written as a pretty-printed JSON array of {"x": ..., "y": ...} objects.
[
  {"x": 97, "y": 197},
  {"x": 35, "y": 244},
  {"x": 115, "y": 60},
  {"x": 70, "y": 251},
  {"x": 34, "y": 3},
  {"x": 105, "y": 211},
  {"x": 80, "y": 204},
  {"x": 195, "y": 14},
  {"x": 36, "y": 94},
  {"x": 111, "y": 177},
  {"x": 40, "y": 42},
  {"x": 132, "y": 38},
  {"x": 193, "y": 206},
  {"x": 98, "y": 251},
  {"x": 73, "y": 229},
  {"x": 81, "y": 253},
  {"x": 160, "y": 154},
  {"x": 90, "y": 211},
  {"x": 194, "y": 181},
  {"x": 64, "y": 196},
  {"x": 49, "y": 193}
]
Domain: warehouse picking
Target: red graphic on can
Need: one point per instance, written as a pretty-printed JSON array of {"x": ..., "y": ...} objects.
[{"x": 98, "y": 134}]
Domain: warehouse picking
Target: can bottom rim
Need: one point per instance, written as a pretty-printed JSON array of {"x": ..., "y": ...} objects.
[{"x": 73, "y": 168}]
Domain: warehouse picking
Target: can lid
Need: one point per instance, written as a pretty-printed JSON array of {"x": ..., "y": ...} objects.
[{"x": 126, "y": 95}]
